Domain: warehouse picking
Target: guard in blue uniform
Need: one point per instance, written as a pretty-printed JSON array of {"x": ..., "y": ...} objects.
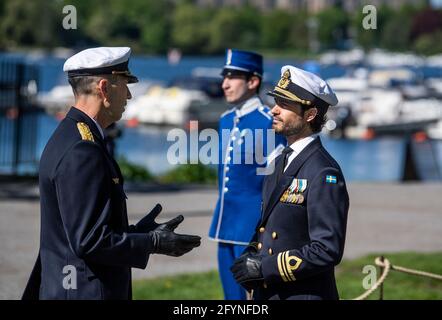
[
  {"x": 87, "y": 247},
  {"x": 300, "y": 237},
  {"x": 247, "y": 141}
]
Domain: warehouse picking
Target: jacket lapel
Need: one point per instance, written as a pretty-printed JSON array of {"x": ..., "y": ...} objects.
[
  {"x": 296, "y": 164},
  {"x": 287, "y": 177},
  {"x": 270, "y": 183}
]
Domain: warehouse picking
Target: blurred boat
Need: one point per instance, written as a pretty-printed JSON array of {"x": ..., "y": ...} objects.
[
  {"x": 378, "y": 58},
  {"x": 434, "y": 61},
  {"x": 57, "y": 100},
  {"x": 435, "y": 85},
  {"x": 195, "y": 97},
  {"x": 343, "y": 58},
  {"x": 348, "y": 90},
  {"x": 164, "y": 105},
  {"x": 392, "y": 101}
]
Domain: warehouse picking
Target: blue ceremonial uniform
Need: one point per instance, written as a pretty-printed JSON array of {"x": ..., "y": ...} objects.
[
  {"x": 84, "y": 222},
  {"x": 238, "y": 183},
  {"x": 244, "y": 149},
  {"x": 301, "y": 233},
  {"x": 239, "y": 204}
]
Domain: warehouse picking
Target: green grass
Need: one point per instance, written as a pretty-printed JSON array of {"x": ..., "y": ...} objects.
[
  {"x": 349, "y": 276},
  {"x": 190, "y": 173},
  {"x": 199, "y": 286},
  {"x": 397, "y": 285}
]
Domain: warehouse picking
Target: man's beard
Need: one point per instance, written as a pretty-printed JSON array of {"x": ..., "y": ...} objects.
[{"x": 288, "y": 130}]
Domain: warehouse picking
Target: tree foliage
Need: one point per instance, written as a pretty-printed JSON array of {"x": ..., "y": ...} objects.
[
  {"x": 152, "y": 26},
  {"x": 333, "y": 26}
]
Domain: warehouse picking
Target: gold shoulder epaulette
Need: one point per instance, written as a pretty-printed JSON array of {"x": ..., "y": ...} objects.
[{"x": 85, "y": 132}]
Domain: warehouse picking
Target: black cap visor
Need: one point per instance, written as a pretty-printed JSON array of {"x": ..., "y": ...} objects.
[
  {"x": 235, "y": 72},
  {"x": 297, "y": 94}
]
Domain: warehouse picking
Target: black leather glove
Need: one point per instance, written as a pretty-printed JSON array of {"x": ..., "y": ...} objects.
[
  {"x": 251, "y": 249},
  {"x": 167, "y": 242},
  {"x": 247, "y": 268},
  {"x": 147, "y": 223}
]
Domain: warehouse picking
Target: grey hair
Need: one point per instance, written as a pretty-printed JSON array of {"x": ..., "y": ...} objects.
[{"x": 85, "y": 85}]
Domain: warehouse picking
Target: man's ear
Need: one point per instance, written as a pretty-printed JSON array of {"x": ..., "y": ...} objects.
[
  {"x": 253, "y": 82},
  {"x": 310, "y": 114},
  {"x": 103, "y": 88}
]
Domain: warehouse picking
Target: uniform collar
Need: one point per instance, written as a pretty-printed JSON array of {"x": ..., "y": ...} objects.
[
  {"x": 248, "y": 106},
  {"x": 298, "y": 146},
  {"x": 99, "y": 127}
]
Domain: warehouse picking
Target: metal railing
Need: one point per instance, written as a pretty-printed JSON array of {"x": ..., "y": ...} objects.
[{"x": 18, "y": 115}]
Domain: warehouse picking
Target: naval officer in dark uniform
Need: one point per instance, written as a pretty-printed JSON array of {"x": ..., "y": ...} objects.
[
  {"x": 300, "y": 237},
  {"x": 87, "y": 247}
]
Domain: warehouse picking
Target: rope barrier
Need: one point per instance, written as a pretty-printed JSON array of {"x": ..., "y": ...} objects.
[
  {"x": 386, "y": 270},
  {"x": 412, "y": 271},
  {"x": 386, "y": 266}
]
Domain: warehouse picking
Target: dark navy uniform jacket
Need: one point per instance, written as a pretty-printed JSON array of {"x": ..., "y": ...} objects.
[
  {"x": 301, "y": 233},
  {"x": 84, "y": 222}
]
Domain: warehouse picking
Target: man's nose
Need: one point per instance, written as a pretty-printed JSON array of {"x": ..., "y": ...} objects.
[
  {"x": 275, "y": 109},
  {"x": 129, "y": 95},
  {"x": 225, "y": 84}
]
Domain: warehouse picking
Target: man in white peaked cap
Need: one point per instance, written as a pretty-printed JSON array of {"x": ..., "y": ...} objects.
[
  {"x": 301, "y": 234},
  {"x": 87, "y": 247}
]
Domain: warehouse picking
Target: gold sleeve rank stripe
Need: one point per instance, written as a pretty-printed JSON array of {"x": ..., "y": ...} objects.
[
  {"x": 85, "y": 132},
  {"x": 284, "y": 276},
  {"x": 287, "y": 264},
  {"x": 291, "y": 267}
]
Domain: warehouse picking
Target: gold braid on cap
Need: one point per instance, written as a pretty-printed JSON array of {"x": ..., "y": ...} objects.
[
  {"x": 124, "y": 73},
  {"x": 292, "y": 96}
]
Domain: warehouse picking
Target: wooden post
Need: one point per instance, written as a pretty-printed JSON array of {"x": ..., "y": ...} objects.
[{"x": 381, "y": 287}]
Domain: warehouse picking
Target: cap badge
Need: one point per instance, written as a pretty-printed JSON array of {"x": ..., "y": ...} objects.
[
  {"x": 285, "y": 80},
  {"x": 229, "y": 57}
]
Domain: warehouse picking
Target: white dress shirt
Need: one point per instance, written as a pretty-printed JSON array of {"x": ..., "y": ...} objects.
[
  {"x": 99, "y": 128},
  {"x": 298, "y": 146}
]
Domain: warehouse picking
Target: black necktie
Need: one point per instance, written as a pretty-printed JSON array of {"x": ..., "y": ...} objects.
[{"x": 281, "y": 165}]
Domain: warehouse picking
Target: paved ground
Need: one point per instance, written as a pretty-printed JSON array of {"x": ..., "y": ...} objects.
[{"x": 383, "y": 218}]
